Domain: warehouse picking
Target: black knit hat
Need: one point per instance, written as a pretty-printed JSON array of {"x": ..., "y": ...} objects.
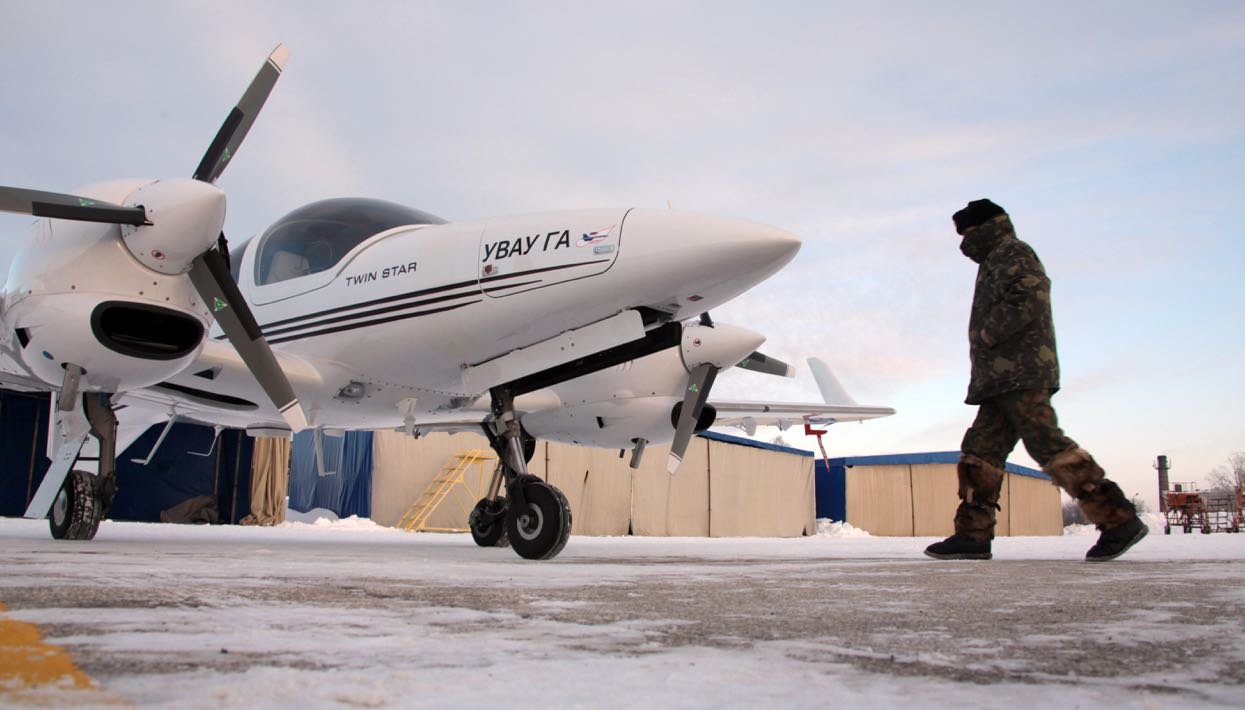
[{"x": 977, "y": 212}]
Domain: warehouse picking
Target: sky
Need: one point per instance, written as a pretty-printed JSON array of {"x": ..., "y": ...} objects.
[{"x": 1112, "y": 132}]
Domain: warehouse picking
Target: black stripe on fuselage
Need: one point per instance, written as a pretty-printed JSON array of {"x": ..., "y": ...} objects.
[
  {"x": 392, "y": 308},
  {"x": 374, "y": 312},
  {"x": 429, "y": 292},
  {"x": 369, "y": 323}
]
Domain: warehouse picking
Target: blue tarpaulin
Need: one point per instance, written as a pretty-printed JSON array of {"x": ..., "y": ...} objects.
[
  {"x": 23, "y": 448},
  {"x": 173, "y": 476},
  {"x": 176, "y": 473},
  {"x": 347, "y": 489}
]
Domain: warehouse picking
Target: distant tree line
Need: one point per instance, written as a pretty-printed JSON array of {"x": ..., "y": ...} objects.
[{"x": 1223, "y": 480}]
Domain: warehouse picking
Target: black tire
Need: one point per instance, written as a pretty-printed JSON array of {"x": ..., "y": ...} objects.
[
  {"x": 541, "y": 531},
  {"x": 1188, "y": 529},
  {"x": 76, "y": 511},
  {"x": 1167, "y": 530},
  {"x": 1206, "y": 529},
  {"x": 488, "y": 529}
]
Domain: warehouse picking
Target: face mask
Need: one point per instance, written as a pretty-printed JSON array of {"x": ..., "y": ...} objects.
[{"x": 980, "y": 240}]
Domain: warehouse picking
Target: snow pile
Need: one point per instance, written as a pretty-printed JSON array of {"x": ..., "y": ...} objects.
[
  {"x": 311, "y": 517},
  {"x": 831, "y": 528},
  {"x": 327, "y": 520}
]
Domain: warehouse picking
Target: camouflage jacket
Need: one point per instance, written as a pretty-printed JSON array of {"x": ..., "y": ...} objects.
[{"x": 1011, "y": 306}]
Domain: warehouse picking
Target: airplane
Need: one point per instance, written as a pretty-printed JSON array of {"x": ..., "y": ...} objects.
[{"x": 591, "y": 326}]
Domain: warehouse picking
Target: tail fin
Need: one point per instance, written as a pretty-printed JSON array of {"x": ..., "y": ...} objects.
[{"x": 831, "y": 389}]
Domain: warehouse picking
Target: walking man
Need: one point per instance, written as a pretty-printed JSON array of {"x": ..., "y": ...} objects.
[{"x": 1015, "y": 370}]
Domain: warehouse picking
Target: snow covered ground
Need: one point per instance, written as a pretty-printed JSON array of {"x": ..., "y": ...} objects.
[{"x": 325, "y": 613}]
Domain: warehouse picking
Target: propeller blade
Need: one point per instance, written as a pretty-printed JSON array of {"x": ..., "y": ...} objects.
[
  {"x": 758, "y": 362},
  {"x": 60, "y": 206},
  {"x": 210, "y": 276},
  {"x": 698, "y": 385},
  {"x": 239, "y": 120}
]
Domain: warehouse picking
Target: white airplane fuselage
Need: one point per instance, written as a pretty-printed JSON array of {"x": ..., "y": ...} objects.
[{"x": 392, "y": 329}]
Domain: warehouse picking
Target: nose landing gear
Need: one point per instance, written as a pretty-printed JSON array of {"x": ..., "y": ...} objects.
[{"x": 83, "y": 499}]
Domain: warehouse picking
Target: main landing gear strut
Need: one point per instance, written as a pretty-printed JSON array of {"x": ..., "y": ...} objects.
[
  {"x": 83, "y": 499},
  {"x": 75, "y": 501},
  {"x": 534, "y": 517}
]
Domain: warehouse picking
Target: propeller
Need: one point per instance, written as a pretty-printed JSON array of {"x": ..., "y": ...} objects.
[
  {"x": 178, "y": 231},
  {"x": 759, "y": 362},
  {"x": 238, "y": 123},
  {"x": 756, "y": 361},
  {"x": 209, "y": 272},
  {"x": 56, "y": 205},
  {"x": 698, "y": 385},
  {"x": 708, "y": 348}
]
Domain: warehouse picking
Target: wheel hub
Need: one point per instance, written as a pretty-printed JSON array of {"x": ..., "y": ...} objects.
[{"x": 531, "y": 523}]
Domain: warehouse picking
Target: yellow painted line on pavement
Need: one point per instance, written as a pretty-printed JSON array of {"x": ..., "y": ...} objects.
[{"x": 38, "y": 673}]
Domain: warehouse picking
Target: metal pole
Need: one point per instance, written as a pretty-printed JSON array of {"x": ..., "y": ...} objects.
[{"x": 1162, "y": 466}]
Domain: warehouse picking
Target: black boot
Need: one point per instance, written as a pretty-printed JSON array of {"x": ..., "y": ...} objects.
[
  {"x": 1115, "y": 541},
  {"x": 958, "y": 547}
]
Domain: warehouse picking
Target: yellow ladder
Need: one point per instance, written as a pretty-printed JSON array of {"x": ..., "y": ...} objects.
[{"x": 450, "y": 479}]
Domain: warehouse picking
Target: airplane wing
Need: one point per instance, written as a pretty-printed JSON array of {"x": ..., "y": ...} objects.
[
  {"x": 747, "y": 414},
  {"x": 13, "y": 374},
  {"x": 22, "y": 383},
  {"x": 839, "y": 407}
]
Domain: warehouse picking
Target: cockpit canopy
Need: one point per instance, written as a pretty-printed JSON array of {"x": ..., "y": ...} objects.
[{"x": 315, "y": 237}]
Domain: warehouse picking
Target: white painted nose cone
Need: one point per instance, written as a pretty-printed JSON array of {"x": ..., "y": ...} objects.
[
  {"x": 721, "y": 345},
  {"x": 186, "y": 218}
]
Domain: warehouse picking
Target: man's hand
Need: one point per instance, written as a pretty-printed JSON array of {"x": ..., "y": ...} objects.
[{"x": 985, "y": 338}]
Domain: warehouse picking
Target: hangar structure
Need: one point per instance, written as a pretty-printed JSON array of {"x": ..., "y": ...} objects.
[
  {"x": 915, "y": 495},
  {"x": 728, "y": 486}
]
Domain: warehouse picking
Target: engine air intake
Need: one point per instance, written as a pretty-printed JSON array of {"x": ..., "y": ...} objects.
[{"x": 145, "y": 331}]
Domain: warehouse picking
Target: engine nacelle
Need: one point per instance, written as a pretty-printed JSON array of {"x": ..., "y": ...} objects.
[
  {"x": 120, "y": 345},
  {"x": 613, "y": 424},
  {"x": 76, "y": 295},
  {"x": 186, "y": 218}
]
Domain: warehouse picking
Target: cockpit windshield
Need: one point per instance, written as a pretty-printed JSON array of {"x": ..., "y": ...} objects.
[{"x": 315, "y": 237}]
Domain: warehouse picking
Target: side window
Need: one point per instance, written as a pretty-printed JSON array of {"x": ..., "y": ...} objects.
[
  {"x": 315, "y": 237},
  {"x": 298, "y": 248}
]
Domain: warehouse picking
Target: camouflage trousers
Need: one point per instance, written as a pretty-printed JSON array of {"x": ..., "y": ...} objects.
[
  {"x": 1028, "y": 416},
  {"x": 1024, "y": 415}
]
